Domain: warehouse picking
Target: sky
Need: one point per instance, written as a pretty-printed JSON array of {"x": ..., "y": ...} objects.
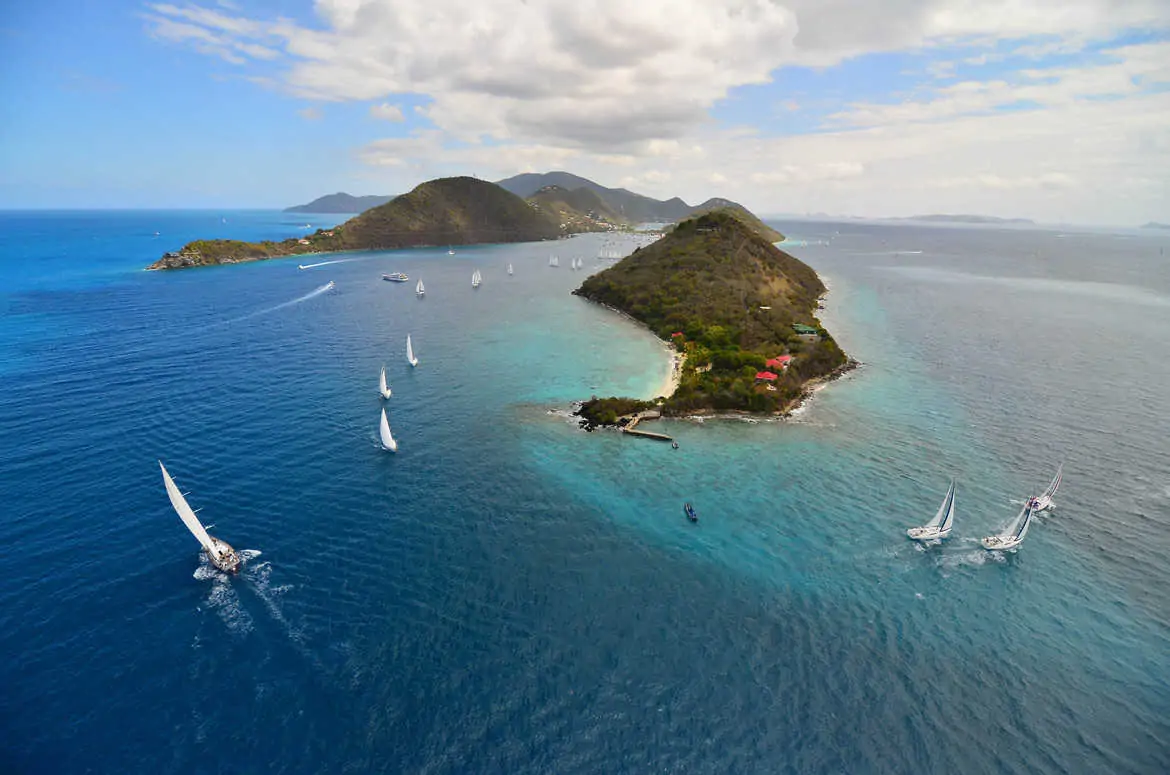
[{"x": 1055, "y": 110}]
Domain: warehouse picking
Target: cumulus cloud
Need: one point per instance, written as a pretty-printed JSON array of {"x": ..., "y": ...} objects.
[
  {"x": 387, "y": 112},
  {"x": 625, "y": 91}
]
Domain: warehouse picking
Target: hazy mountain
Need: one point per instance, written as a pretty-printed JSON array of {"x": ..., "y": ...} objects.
[
  {"x": 340, "y": 203},
  {"x": 630, "y": 207}
]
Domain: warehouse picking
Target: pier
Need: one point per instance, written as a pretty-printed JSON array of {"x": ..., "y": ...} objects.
[{"x": 631, "y": 426}]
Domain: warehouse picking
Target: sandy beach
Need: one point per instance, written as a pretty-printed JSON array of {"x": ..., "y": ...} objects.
[{"x": 671, "y": 382}]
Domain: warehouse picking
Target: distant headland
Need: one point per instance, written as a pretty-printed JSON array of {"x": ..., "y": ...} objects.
[
  {"x": 1155, "y": 225},
  {"x": 960, "y": 218},
  {"x": 340, "y": 203},
  {"x": 738, "y": 310},
  {"x": 447, "y": 211}
]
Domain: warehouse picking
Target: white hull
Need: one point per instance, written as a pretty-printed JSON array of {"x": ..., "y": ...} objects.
[
  {"x": 1043, "y": 503},
  {"x": 1000, "y": 544},
  {"x": 225, "y": 557},
  {"x": 927, "y": 533}
]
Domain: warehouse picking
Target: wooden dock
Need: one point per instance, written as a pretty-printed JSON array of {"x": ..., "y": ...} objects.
[{"x": 648, "y": 434}]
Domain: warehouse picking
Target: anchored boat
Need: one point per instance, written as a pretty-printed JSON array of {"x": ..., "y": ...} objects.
[
  {"x": 1014, "y": 535},
  {"x": 395, "y": 277},
  {"x": 689, "y": 510},
  {"x": 940, "y": 525},
  {"x": 220, "y": 553},
  {"x": 1044, "y": 500}
]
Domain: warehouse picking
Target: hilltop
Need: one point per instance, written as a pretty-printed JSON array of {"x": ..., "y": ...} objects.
[
  {"x": 447, "y": 211},
  {"x": 578, "y": 210},
  {"x": 729, "y": 299},
  {"x": 741, "y": 212},
  {"x": 628, "y": 206},
  {"x": 340, "y": 203}
]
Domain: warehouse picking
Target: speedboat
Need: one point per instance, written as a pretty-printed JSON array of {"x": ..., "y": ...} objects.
[
  {"x": 940, "y": 525},
  {"x": 395, "y": 277},
  {"x": 689, "y": 510}
]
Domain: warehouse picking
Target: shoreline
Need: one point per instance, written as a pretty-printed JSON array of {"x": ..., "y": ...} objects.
[{"x": 674, "y": 378}]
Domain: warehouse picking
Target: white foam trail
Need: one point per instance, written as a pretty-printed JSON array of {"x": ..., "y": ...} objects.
[
  {"x": 326, "y": 263},
  {"x": 311, "y": 294}
]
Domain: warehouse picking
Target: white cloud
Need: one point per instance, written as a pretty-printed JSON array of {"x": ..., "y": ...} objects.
[
  {"x": 624, "y": 91},
  {"x": 387, "y": 112},
  {"x": 311, "y": 114}
]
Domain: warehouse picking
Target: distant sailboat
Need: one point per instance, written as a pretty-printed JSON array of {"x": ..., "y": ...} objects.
[
  {"x": 476, "y": 279},
  {"x": 1044, "y": 500},
  {"x": 388, "y": 442},
  {"x": 1013, "y": 536},
  {"x": 509, "y": 270},
  {"x": 554, "y": 261},
  {"x": 410, "y": 353},
  {"x": 221, "y": 555},
  {"x": 450, "y": 250},
  {"x": 419, "y": 290},
  {"x": 940, "y": 526},
  {"x": 383, "y": 388}
]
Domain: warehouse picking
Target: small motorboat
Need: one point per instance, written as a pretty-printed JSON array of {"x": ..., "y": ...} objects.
[
  {"x": 395, "y": 277},
  {"x": 674, "y": 444},
  {"x": 689, "y": 510}
]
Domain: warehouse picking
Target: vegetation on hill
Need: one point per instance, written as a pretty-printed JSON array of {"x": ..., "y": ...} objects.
[
  {"x": 728, "y": 299},
  {"x": 340, "y": 203},
  {"x": 578, "y": 210},
  {"x": 741, "y": 212},
  {"x": 609, "y": 411},
  {"x": 631, "y": 207},
  {"x": 448, "y": 211}
]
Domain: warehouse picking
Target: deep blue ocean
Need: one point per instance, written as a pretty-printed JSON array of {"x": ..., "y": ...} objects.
[{"x": 509, "y": 594}]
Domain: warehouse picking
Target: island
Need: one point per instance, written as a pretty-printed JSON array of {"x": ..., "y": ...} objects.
[
  {"x": 741, "y": 212},
  {"x": 1155, "y": 225},
  {"x": 959, "y": 218},
  {"x": 738, "y": 311},
  {"x": 447, "y": 211},
  {"x": 340, "y": 203}
]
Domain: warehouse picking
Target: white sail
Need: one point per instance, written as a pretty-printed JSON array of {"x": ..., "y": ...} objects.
[
  {"x": 410, "y": 353},
  {"x": 509, "y": 269},
  {"x": 388, "y": 441},
  {"x": 1055, "y": 484},
  {"x": 1024, "y": 522},
  {"x": 185, "y": 512},
  {"x": 419, "y": 288},
  {"x": 383, "y": 388},
  {"x": 949, "y": 518}
]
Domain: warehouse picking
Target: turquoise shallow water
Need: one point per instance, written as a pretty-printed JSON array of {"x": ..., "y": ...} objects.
[{"x": 509, "y": 594}]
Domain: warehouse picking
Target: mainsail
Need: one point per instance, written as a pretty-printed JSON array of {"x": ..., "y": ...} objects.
[
  {"x": 185, "y": 512},
  {"x": 509, "y": 269},
  {"x": 384, "y": 433},
  {"x": 383, "y": 388},
  {"x": 946, "y": 512},
  {"x": 1055, "y": 485},
  {"x": 419, "y": 289},
  {"x": 410, "y": 352},
  {"x": 1023, "y": 521}
]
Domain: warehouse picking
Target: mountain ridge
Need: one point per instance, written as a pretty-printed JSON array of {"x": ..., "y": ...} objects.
[{"x": 340, "y": 202}]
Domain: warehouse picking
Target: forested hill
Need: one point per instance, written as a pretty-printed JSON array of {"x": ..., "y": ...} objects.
[
  {"x": 729, "y": 299},
  {"x": 744, "y": 214},
  {"x": 447, "y": 211}
]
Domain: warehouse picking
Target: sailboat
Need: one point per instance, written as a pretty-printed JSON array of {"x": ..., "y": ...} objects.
[
  {"x": 383, "y": 388},
  {"x": 476, "y": 279},
  {"x": 419, "y": 290},
  {"x": 1013, "y": 536},
  {"x": 450, "y": 250},
  {"x": 410, "y": 353},
  {"x": 509, "y": 270},
  {"x": 388, "y": 442},
  {"x": 1044, "y": 500},
  {"x": 940, "y": 525},
  {"x": 554, "y": 261},
  {"x": 220, "y": 553}
]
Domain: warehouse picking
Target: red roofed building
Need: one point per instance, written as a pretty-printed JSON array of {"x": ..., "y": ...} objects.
[
  {"x": 765, "y": 376},
  {"x": 779, "y": 362},
  {"x": 676, "y": 333}
]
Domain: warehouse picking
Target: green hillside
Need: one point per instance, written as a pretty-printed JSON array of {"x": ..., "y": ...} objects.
[
  {"x": 741, "y": 212},
  {"x": 733, "y": 297},
  {"x": 447, "y": 211}
]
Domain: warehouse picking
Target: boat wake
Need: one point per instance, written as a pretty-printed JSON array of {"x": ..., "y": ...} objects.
[
  {"x": 326, "y": 263},
  {"x": 268, "y": 310}
]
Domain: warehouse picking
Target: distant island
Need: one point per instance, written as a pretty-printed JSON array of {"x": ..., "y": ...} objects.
[
  {"x": 741, "y": 212},
  {"x": 340, "y": 203},
  {"x": 447, "y": 211},
  {"x": 628, "y": 207},
  {"x": 1155, "y": 225},
  {"x": 738, "y": 309},
  {"x": 963, "y": 219}
]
